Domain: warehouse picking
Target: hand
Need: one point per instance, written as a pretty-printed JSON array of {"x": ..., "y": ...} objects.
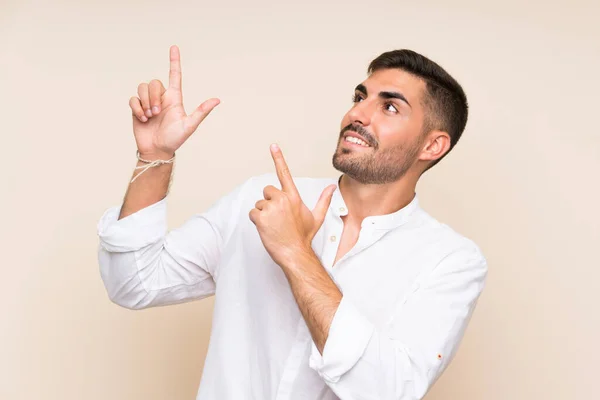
[
  {"x": 283, "y": 221},
  {"x": 160, "y": 124}
]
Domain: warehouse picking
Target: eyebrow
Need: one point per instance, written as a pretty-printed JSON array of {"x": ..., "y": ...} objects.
[{"x": 384, "y": 95}]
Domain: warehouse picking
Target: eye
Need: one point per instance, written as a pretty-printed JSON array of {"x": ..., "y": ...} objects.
[
  {"x": 357, "y": 97},
  {"x": 390, "y": 107}
]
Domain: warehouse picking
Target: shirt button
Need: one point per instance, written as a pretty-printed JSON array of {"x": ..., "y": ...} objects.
[
  {"x": 342, "y": 209},
  {"x": 332, "y": 238}
]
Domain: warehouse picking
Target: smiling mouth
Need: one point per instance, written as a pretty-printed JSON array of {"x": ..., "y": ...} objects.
[{"x": 355, "y": 140}]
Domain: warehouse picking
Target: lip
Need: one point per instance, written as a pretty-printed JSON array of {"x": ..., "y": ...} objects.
[{"x": 356, "y": 135}]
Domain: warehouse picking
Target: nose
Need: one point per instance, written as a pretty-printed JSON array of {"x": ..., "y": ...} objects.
[{"x": 360, "y": 113}]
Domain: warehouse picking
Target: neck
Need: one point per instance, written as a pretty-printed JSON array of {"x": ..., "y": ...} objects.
[{"x": 364, "y": 200}]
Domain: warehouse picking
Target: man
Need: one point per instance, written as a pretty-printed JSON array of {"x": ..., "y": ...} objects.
[{"x": 325, "y": 288}]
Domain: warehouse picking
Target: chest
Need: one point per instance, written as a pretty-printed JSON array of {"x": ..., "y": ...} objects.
[
  {"x": 348, "y": 239},
  {"x": 375, "y": 268}
]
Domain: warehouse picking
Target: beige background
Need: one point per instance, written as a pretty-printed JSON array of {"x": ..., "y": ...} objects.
[{"x": 523, "y": 182}]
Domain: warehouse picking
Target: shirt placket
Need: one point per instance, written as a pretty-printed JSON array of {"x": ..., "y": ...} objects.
[{"x": 331, "y": 242}]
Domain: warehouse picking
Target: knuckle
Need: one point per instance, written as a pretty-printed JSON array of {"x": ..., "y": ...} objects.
[
  {"x": 255, "y": 216},
  {"x": 263, "y": 217}
]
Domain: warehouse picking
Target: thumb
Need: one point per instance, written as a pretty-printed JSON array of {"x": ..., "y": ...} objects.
[
  {"x": 192, "y": 121},
  {"x": 322, "y": 206}
]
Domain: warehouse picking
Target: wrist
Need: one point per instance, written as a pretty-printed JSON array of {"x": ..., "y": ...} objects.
[
  {"x": 298, "y": 257},
  {"x": 156, "y": 155}
]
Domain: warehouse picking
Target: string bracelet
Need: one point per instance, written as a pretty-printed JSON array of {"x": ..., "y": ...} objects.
[{"x": 151, "y": 164}]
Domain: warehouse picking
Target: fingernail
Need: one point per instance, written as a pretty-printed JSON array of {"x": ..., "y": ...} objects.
[
  {"x": 275, "y": 147},
  {"x": 148, "y": 113},
  {"x": 144, "y": 119},
  {"x": 155, "y": 110}
]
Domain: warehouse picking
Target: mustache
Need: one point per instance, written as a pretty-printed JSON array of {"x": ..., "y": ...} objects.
[{"x": 370, "y": 139}]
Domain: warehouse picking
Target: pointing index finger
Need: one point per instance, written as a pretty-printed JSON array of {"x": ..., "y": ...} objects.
[
  {"x": 283, "y": 172},
  {"x": 175, "y": 68}
]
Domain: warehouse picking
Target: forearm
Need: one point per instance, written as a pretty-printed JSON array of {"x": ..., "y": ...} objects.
[
  {"x": 317, "y": 295},
  {"x": 149, "y": 187}
]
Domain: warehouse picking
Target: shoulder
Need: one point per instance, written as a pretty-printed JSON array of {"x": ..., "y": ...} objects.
[{"x": 453, "y": 250}]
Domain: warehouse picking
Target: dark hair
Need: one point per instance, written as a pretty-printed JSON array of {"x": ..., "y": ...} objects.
[{"x": 445, "y": 102}]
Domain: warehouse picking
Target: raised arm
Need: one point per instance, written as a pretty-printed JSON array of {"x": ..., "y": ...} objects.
[
  {"x": 160, "y": 127},
  {"x": 142, "y": 264}
]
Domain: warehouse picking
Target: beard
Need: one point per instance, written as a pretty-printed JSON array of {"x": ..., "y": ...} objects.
[{"x": 374, "y": 166}]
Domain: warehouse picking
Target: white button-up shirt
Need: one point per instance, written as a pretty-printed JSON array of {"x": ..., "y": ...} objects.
[{"x": 409, "y": 286}]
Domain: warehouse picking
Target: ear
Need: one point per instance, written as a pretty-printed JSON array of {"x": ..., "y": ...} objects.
[{"x": 435, "y": 146}]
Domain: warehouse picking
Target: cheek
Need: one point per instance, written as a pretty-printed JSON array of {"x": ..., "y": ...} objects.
[
  {"x": 394, "y": 131},
  {"x": 388, "y": 133}
]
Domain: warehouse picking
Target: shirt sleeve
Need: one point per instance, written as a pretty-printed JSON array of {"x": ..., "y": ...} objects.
[
  {"x": 402, "y": 360},
  {"x": 142, "y": 264}
]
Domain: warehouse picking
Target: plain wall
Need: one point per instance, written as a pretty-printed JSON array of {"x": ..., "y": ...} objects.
[{"x": 523, "y": 181}]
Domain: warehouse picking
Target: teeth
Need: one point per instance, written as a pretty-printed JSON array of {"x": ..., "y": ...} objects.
[{"x": 353, "y": 139}]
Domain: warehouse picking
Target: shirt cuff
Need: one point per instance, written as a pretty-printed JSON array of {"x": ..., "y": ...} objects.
[
  {"x": 349, "y": 335},
  {"x": 135, "y": 231}
]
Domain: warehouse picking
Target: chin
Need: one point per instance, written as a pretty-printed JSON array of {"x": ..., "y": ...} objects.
[{"x": 341, "y": 162}]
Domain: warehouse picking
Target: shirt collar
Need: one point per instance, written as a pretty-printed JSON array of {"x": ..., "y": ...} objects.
[{"x": 388, "y": 221}]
